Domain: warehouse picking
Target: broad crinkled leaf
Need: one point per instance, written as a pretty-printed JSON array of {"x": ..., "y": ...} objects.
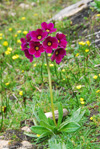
[
  {"x": 60, "y": 111},
  {"x": 42, "y": 116},
  {"x": 39, "y": 129}
]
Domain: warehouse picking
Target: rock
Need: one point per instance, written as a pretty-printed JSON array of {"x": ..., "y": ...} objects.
[
  {"x": 12, "y": 13},
  {"x": 25, "y": 145},
  {"x": 24, "y": 6},
  {"x": 4, "y": 144},
  {"x": 71, "y": 10},
  {"x": 49, "y": 114},
  {"x": 33, "y": 4},
  {"x": 26, "y": 129}
]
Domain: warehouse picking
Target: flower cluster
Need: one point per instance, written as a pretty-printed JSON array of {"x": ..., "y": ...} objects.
[{"x": 39, "y": 41}]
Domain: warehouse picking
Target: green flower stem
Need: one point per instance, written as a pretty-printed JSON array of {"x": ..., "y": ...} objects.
[{"x": 50, "y": 86}]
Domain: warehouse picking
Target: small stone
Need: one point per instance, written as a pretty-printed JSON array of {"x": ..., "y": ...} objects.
[
  {"x": 4, "y": 144},
  {"x": 24, "y": 6},
  {"x": 25, "y": 145},
  {"x": 33, "y": 4},
  {"x": 26, "y": 128}
]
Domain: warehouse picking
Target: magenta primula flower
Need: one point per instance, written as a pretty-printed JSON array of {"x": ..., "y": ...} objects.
[
  {"x": 28, "y": 36},
  {"x": 28, "y": 55},
  {"x": 36, "y": 48},
  {"x": 48, "y": 27},
  {"x": 58, "y": 54},
  {"x": 61, "y": 40},
  {"x": 50, "y": 43},
  {"x": 24, "y": 44},
  {"x": 38, "y": 35}
]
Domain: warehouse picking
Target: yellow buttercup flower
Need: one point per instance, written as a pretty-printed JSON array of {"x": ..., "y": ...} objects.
[
  {"x": 34, "y": 65},
  {"x": 22, "y": 70},
  {"x": 88, "y": 42},
  {"x": 9, "y": 49},
  {"x": 7, "y": 83},
  {"x": 15, "y": 35},
  {"x": 98, "y": 91},
  {"x": 81, "y": 99},
  {"x": 15, "y": 56},
  {"x": 5, "y": 43},
  {"x": 23, "y": 18},
  {"x": 10, "y": 29},
  {"x": 1, "y": 34},
  {"x": 82, "y": 102},
  {"x": 7, "y": 52},
  {"x": 51, "y": 65},
  {"x": 99, "y": 74},
  {"x": 79, "y": 87},
  {"x": 18, "y": 41},
  {"x": 98, "y": 15},
  {"x": 77, "y": 54},
  {"x": 95, "y": 77},
  {"x": 63, "y": 70},
  {"x": 45, "y": 64},
  {"x": 35, "y": 14},
  {"x": 49, "y": 54},
  {"x": 1, "y": 38},
  {"x": 21, "y": 93},
  {"x": 81, "y": 43},
  {"x": 38, "y": 135},
  {"x": 63, "y": 79},
  {"x": 86, "y": 50},
  {"x": 25, "y": 32},
  {"x": 91, "y": 118},
  {"x": 19, "y": 31}
]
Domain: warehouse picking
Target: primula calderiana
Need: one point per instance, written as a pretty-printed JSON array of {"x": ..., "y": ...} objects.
[
  {"x": 5, "y": 43},
  {"x": 79, "y": 87},
  {"x": 10, "y": 29},
  {"x": 81, "y": 99},
  {"x": 15, "y": 56},
  {"x": 82, "y": 43},
  {"x": 21, "y": 93},
  {"x": 88, "y": 42},
  {"x": 91, "y": 118},
  {"x": 86, "y": 50},
  {"x": 19, "y": 31},
  {"x": 95, "y": 77},
  {"x": 7, "y": 83},
  {"x": 25, "y": 32},
  {"x": 98, "y": 91},
  {"x": 77, "y": 54},
  {"x": 23, "y": 18}
]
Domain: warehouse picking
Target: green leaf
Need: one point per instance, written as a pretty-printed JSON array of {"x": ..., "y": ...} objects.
[
  {"x": 39, "y": 129},
  {"x": 51, "y": 122},
  {"x": 42, "y": 116},
  {"x": 31, "y": 135},
  {"x": 70, "y": 127},
  {"x": 60, "y": 111},
  {"x": 46, "y": 125}
]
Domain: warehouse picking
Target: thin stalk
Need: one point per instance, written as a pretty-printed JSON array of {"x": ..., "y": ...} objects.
[{"x": 50, "y": 86}]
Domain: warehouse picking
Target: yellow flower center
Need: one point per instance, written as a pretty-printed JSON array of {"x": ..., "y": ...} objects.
[
  {"x": 39, "y": 37},
  {"x": 36, "y": 48},
  {"x": 47, "y": 30},
  {"x": 49, "y": 43},
  {"x": 56, "y": 52},
  {"x": 58, "y": 41}
]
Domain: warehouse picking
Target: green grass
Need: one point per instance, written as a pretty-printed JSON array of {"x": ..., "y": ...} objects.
[{"x": 24, "y": 76}]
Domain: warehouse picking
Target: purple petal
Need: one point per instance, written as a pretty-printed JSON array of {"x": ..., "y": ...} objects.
[
  {"x": 53, "y": 57},
  {"x": 33, "y": 34},
  {"x": 54, "y": 45},
  {"x": 37, "y": 54},
  {"x": 31, "y": 58},
  {"x": 45, "y": 43},
  {"x": 44, "y": 25},
  {"x": 49, "y": 50},
  {"x": 50, "y": 26},
  {"x": 32, "y": 51},
  {"x": 63, "y": 43},
  {"x": 58, "y": 59},
  {"x": 39, "y": 31}
]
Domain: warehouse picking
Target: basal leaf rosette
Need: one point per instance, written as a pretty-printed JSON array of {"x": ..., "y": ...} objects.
[{"x": 41, "y": 40}]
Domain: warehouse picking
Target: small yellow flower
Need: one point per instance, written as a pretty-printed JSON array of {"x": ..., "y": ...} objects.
[
  {"x": 45, "y": 64},
  {"x": 23, "y": 18},
  {"x": 63, "y": 79},
  {"x": 5, "y": 43},
  {"x": 7, "y": 83},
  {"x": 82, "y": 102},
  {"x": 15, "y": 35},
  {"x": 97, "y": 91},
  {"x": 34, "y": 65},
  {"x": 98, "y": 15},
  {"x": 1, "y": 38},
  {"x": 19, "y": 31},
  {"x": 66, "y": 49},
  {"x": 1, "y": 34},
  {"x": 99, "y": 74},
  {"x": 81, "y": 43},
  {"x": 9, "y": 49},
  {"x": 51, "y": 65},
  {"x": 10, "y": 29},
  {"x": 22, "y": 70},
  {"x": 7, "y": 52},
  {"x": 91, "y": 118},
  {"x": 81, "y": 99},
  {"x": 88, "y": 42},
  {"x": 38, "y": 135},
  {"x": 21, "y": 93},
  {"x": 86, "y": 50},
  {"x": 95, "y": 77},
  {"x": 49, "y": 54},
  {"x": 4, "y": 108},
  {"x": 18, "y": 41},
  {"x": 79, "y": 87},
  {"x": 63, "y": 70},
  {"x": 35, "y": 14},
  {"x": 77, "y": 54},
  {"x": 25, "y": 32},
  {"x": 15, "y": 56}
]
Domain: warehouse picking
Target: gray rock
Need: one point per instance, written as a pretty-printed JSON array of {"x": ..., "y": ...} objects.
[
  {"x": 33, "y": 4},
  {"x": 24, "y": 6}
]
